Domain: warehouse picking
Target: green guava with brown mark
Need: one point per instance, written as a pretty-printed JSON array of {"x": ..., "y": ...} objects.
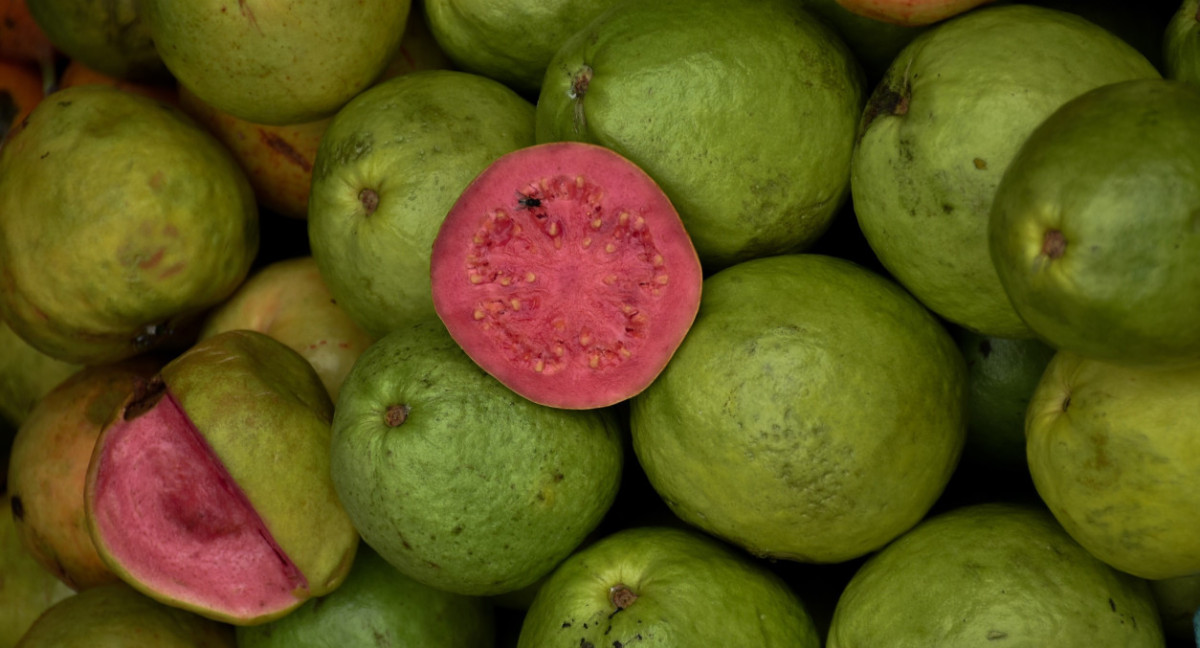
[
  {"x": 940, "y": 129},
  {"x": 123, "y": 222}
]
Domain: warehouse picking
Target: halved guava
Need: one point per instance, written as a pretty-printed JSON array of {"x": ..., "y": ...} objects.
[
  {"x": 168, "y": 517},
  {"x": 565, "y": 272}
]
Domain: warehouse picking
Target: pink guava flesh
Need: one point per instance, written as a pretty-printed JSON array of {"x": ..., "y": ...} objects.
[
  {"x": 167, "y": 512},
  {"x": 566, "y": 273}
]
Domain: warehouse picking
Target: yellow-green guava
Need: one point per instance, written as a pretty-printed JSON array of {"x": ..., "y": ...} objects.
[
  {"x": 1093, "y": 230},
  {"x": 989, "y": 575},
  {"x": 276, "y": 61},
  {"x": 744, "y": 112},
  {"x": 939, "y": 131},
  {"x": 1181, "y": 43},
  {"x": 814, "y": 411},
  {"x": 110, "y": 36}
]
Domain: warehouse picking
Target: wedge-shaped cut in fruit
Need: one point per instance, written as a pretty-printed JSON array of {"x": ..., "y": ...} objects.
[
  {"x": 170, "y": 511},
  {"x": 212, "y": 492},
  {"x": 565, "y": 272}
]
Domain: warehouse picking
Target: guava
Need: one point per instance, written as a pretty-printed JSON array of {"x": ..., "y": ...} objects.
[
  {"x": 992, "y": 574},
  {"x": 665, "y": 587},
  {"x": 1093, "y": 227},
  {"x": 389, "y": 167},
  {"x": 910, "y": 12},
  {"x": 379, "y": 606},
  {"x": 49, "y": 464},
  {"x": 108, "y": 35},
  {"x": 212, "y": 490},
  {"x": 26, "y": 375},
  {"x": 1181, "y": 43},
  {"x": 511, "y": 41},
  {"x": 565, "y": 272},
  {"x": 939, "y": 131},
  {"x": 744, "y": 112},
  {"x": 145, "y": 219},
  {"x": 814, "y": 412},
  {"x": 1114, "y": 453},
  {"x": 117, "y": 616},
  {"x": 27, "y": 589},
  {"x": 289, "y": 301},
  {"x": 1001, "y": 376},
  {"x": 457, "y": 481},
  {"x": 273, "y": 62}
]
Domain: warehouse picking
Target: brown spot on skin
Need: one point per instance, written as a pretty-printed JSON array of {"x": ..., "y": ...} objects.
[
  {"x": 396, "y": 415},
  {"x": 157, "y": 180},
  {"x": 173, "y": 270},
  {"x": 579, "y": 85},
  {"x": 153, "y": 260},
  {"x": 285, "y": 149},
  {"x": 369, "y": 199},
  {"x": 248, "y": 15},
  {"x": 1054, "y": 244},
  {"x": 621, "y": 596},
  {"x": 1066, "y": 403},
  {"x": 980, "y": 163}
]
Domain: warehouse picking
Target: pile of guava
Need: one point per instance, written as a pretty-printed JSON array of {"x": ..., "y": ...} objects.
[{"x": 599, "y": 323}]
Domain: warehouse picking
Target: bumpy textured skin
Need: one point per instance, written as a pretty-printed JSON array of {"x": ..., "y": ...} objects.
[
  {"x": 477, "y": 491},
  {"x": 691, "y": 591},
  {"x": 993, "y": 574},
  {"x": 117, "y": 616},
  {"x": 125, "y": 279},
  {"x": 1112, "y": 181},
  {"x": 1112, "y": 452},
  {"x": 416, "y": 141},
  {"x": 809, "y": 394},
  {"x": 939, "y": 131},
  {"x": 274, "y": 62},
  {"x": 671, "y": 84}
]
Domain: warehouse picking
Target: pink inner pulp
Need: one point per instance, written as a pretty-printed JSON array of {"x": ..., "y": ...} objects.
[{"x": 170, "y": 514}]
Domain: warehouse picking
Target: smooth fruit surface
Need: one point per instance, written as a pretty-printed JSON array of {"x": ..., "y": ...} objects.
[
  {"x": 1113, "y": 452},
  {"x": 992, "y": 575},
  {"x": 707, "y": 97},
  {"x": 665, "y": 587},
  {"x": 125, "y": 280},
  {"x": 814, "y": 412},
  {"x": 565, "y": 272},
  {"x": 377, "y": 605},
  {"x": 276, "y": 62},
  {"x": 117, "y": 616},
  {"x": 388, "y": 169},
  {"x": 940, "y": 129},
  {"x": 457, "y": 481},
  {"x": 1094, "y": 226}
]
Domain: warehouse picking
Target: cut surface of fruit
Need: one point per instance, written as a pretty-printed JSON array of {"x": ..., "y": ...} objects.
[
  {"x": 171, "y": 521},
  {"x": 565, "y": 272}
]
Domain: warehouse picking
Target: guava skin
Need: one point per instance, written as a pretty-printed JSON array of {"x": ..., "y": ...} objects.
[
  {"x": 707, "y": 66},
  {"x": 940, "y": 129},
  {"x": 89, "y": 284},
  {"x": 1181, "y": 43},
  {"x": 666, "y": 588},
  {"x": 273, "y": 62},
  {"x": 27, "y": 588},
  {"x": 809, "y": 393},
  {"x": 1093, "y": 227},
  {"x": 388, "y": 168},
  {"x": 457, "y": 481},
  {"x": 992, "y": 574},
  {"x": 110, "y": 36}
]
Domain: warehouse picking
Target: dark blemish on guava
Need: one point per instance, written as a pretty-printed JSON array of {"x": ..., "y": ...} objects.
[
  {"x": 406, "y": 545},
  {"x": 249, "y": 15},
  {"x": 64, "y": 104},
  {"x": 887, "y": 99},
  {"x": 1066, "y": 403},
  {"x": 579, "y": 85},
  {"x": 381, "y": 639},
  {"x": 584, "y": 643},
  {"x": 18, "y": 507},
  {"x": 566, "y": 624},
  {"x": 44, "y": 155},
  {"x": 1112, "y": 605},
  {"x": 456, "y": 530},
  {"x": 995, "y": 635},
  {"x": 146, "y": 394},
  {"x": 980, "y": 163},
  {"x": 618, "y": 644},
  {"x": 985, "y": 348},
  {"x": 369, "y": 199},
  {"x": 1054, "y": 244},
  {"x": 433, "y": 564},
  {"x": 947, "y": 208},
  {"x": 396, "y": 415},
  {"x": 284, "y": 148}
]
